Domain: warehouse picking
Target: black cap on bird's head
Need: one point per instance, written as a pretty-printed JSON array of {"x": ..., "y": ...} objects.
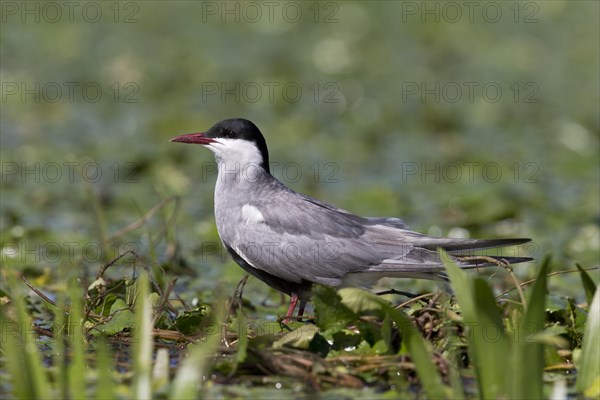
[{"x": 226, "y": 137}]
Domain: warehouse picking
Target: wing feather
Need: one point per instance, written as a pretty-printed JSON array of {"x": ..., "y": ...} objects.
[{"x": 298, "y": 238}]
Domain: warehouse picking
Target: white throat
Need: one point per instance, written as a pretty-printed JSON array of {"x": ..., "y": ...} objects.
[{"x": 237, "y": 159}]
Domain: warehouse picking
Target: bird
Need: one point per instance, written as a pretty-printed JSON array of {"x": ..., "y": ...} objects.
[{"x": 292, "y": 241}]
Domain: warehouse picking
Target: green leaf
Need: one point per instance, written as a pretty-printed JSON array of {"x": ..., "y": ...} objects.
[
  {"x": 242, "y": 345},
  {"x": 189, "y": 322},
  {"x": 331, "y": 314},
  {"x": 105, "y": 385},
  {"x": 386, "y": 333},
  {"x": 456, "y": 382},
  {"x": 265, "y": 332},
  {"x": 487, "y": 340},
  {"x": 360, "y": 301},
  {"x": 122, "y": 318},
  {"x": 380, "y": 347},
  {"x": 191, "y": 373},
  {"x": 345, "y": 339},
  {"x": 77, "y": 367},
  {"x": 143, "y": 339},
  {"x": 588, "y": 284},
  {"x": 588, "y": 377},
  {"x": 23, "y": 360},
  {"x": 60, "y": 335},
  {"x": 490, "y": 341},
  {"x": 528, "y": 350},
  {"x": 319, "y": 345},
  {"x": 299, "y": 338}
]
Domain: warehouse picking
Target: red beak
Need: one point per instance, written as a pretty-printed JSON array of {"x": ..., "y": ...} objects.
[{"x": 197, "y": 138}]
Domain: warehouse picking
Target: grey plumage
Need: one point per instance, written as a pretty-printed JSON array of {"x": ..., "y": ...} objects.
[
  {"x": 298, "y": 238},
  {"x": 290, "y": 240}
]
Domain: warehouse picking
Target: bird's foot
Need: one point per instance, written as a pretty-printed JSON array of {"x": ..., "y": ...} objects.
[
  {"x": 492, "y": 260},
  {"x": 293, "y": 302},
  {"x": 291, "y": 308}
]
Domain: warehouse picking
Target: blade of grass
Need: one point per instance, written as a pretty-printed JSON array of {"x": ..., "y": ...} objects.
[
  {"x": 99, "y": 220},
  {"x": 140, "y": 222},
  {"x": 242, "y": 345},
  {"x": 16, "y": 365},
  {"x": 160, "y": 372},
  {"x": 491, "y": 341},
  {"x": 191, "y": 375},
  {"x": 458, "y": 390},
  {"x": 60, "y": 356},
  {"x": 588, "y": 378},
  {"x": 23, "y": 358},
  {"x": 488, "y": 343},
  {"x": 104, "y": 384},
  {"x": 77, "y": 367},
  {"x": 360, "y": 300},
  {"x": 588, "y": 284},
  {"x": 528, "y": 353},
  {"x": 421, "y": 354},
  {"x": 151, "y": 243},
  {"x": 142, "y": 351}
]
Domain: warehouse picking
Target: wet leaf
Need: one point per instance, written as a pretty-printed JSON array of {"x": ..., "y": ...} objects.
[
  {"x": 299, "y": 338},
  {"x": 588, "y": 379},
  {"x": 190, "y": 322},
  {"x": 588, "y": 284},
  {"x": 122, "y": 318},
  {"x": 331, "y": 314}
]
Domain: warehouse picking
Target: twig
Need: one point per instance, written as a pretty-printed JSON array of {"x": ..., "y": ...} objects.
[
  {"x": 236, "y": 299},
  {"x": 140, "y": 222},
  {"x": 560, "y": 367},
  {"x": 414, "y": 299},
  {"x": 500, "y": 263},
  {"x": 508, "y": 301},
  {"x": 517, "y": 285},
  {"x": 103, "y": 269},
  {"x": 37, "y": 291},
  {"x": 548, "y": 275},
  {"x": 164, "y": 299}
]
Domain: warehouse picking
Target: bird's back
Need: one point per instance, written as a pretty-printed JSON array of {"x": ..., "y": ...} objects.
[{"x": 298, "y": 238}]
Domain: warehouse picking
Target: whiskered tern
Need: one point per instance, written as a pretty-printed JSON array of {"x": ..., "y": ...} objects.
[{"x": 290, "y": 240}]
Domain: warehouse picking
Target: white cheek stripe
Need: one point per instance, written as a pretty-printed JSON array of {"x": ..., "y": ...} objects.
[{"x": 241, "y": 152}]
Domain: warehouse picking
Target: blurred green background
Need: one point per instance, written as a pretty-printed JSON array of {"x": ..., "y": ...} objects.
[{"x": 478, "y": 120}]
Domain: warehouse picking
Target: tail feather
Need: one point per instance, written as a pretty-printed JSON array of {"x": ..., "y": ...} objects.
[
  {"x": 424, "y": 261},
  {"x": 453, "y": 245},
  {"x": 418, "y": 255}
]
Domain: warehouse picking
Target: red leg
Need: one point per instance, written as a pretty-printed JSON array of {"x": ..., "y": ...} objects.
[{"x": 293, "y": 302}]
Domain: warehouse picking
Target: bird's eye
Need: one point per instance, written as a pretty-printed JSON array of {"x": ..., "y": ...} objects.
[{"x": 226, "y": 133}]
